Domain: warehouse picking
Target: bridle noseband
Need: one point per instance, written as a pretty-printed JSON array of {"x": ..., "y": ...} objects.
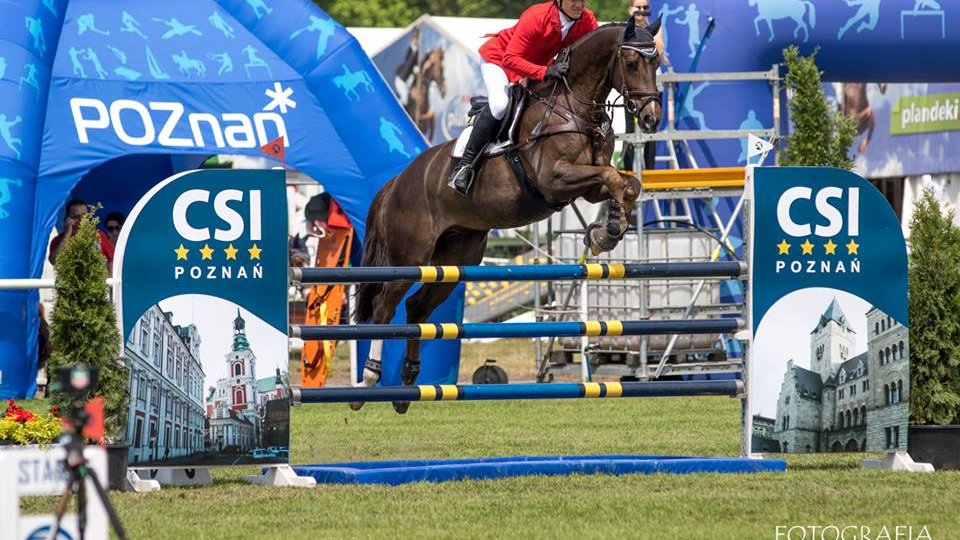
[{"x": 634, "y": 101}]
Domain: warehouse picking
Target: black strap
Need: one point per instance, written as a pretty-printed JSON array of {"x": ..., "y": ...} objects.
[{"x": 531, "y": 195}]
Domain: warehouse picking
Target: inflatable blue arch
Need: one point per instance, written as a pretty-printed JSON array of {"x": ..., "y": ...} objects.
[
  {"x": 96, "y": 95},
  {"x": 95, "y": 98}
]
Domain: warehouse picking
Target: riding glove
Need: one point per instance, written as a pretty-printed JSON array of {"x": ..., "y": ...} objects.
[{"x": 557, "y": 69}]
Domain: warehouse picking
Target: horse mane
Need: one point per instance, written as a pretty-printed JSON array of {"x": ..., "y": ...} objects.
[{"x": 622, "y": 25}]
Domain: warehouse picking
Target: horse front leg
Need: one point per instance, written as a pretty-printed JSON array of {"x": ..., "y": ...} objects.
[
  {"x": 384, "y": 306},
  {"x": 621, "y": 189}
]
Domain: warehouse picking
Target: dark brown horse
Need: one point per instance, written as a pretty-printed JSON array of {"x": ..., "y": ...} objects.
[
  {"x": 564, "y": 144},
  {"x": 418, "y": 100}
]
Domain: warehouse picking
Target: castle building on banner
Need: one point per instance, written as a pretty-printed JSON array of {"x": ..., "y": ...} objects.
[
  {"x": 233, "y": 404},
  {"x": 166, "y": 412},
  {"x": 847, "y": 403}
]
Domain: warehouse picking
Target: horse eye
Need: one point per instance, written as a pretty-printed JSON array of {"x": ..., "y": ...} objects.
[{"x": 632, "y": 65}]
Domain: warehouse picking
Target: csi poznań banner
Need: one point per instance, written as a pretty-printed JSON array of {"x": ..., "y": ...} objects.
[
  {"x": 203, "y": 265},
  {"x": 830, "y": 367}
]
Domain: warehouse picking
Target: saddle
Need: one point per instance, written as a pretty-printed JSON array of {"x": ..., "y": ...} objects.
[{"x": 506, "y": 133}]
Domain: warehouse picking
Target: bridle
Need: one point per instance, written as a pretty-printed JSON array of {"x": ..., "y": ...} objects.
[{"x": 634, "y": 101}]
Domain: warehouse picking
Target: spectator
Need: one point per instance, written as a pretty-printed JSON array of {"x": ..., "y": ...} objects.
[
  {"x": 75, "y": 210},
  {"x": 112, "y": 224},
  {"x": 641, "y": 11}
]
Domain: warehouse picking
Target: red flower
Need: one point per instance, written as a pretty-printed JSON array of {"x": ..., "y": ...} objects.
[
  {"x": 55, "y": 410},
  {"x": 18, "y": 414}
]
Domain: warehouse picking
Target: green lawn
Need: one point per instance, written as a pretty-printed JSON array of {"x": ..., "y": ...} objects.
[{"x": 816, "y": 490}]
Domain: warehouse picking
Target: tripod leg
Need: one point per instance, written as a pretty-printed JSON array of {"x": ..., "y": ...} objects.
[
  {"x": 61, "y": 510},
  {"x": 111, "y": 512},
  {"x": 82, "y": 508}
]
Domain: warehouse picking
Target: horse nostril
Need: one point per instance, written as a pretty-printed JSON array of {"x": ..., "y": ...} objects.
[{"x": 649, "y": 122}]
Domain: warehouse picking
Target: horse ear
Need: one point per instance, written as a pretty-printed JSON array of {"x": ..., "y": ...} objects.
[
  {"x": 630, "y": 33},
  {"x": 655, "y": 27}
]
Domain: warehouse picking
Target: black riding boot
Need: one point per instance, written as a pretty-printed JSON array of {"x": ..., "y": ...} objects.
[{"x": 484, "y": 128}]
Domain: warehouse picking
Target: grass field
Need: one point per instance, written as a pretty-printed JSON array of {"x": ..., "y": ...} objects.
[{"x": 816, "y": 490}]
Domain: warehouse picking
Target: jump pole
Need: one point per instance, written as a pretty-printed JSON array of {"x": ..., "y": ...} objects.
[
  {"x": 431, "y": 331},
  {"x": 492, "y": 392}
]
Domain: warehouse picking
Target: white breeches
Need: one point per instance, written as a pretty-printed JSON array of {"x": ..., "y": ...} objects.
[{"x": 498, "y": 88}]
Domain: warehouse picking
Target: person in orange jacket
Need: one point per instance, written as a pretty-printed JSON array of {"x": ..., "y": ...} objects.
[{"x": 524, "y": 50}]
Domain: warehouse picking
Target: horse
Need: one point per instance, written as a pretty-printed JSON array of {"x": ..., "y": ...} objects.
[
  {"x": 564, "y": 147},
  {"x": 418, "y": 100},
  {"x": 350, "y": 80},
  {"x": 185, "y": 63},
  {"x": 771, "y": 10},
  {"x": 856, "y": 105}
]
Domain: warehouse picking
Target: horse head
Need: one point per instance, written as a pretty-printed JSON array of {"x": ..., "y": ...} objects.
[
  {"x": 636, "y": 78},
  {"x": 432, "y": 70},
  {"x": 620, "y": 57}
]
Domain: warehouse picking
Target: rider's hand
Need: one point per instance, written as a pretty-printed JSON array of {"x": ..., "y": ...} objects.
[{"x": 557, "y": 70}]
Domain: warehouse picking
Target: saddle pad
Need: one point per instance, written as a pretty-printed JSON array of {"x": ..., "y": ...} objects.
[{"x": 491, "y": 149}]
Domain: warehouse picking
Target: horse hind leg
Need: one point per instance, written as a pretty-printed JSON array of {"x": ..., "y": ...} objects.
[{"x": 452, "y": 248}]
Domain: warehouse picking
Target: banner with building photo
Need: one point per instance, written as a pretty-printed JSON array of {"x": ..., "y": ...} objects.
[
  {"x": 203, "y": 265},
  {"x": 830, "y": 359},
  {"x": 433, "y": 77}
]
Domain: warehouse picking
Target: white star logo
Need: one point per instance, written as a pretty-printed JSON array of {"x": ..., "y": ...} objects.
[{"x": 279, "y": 97}]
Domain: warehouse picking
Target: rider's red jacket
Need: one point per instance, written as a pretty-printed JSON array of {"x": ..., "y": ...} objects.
[{"x": 526, "y": 49}]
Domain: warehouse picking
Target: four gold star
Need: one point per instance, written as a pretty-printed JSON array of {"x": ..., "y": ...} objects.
[
  {"x": 206, "y": 252},
  {"x": 830, "y": 248}
]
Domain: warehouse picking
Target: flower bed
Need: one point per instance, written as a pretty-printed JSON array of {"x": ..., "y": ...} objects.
[{"x": 20, "y": 426}]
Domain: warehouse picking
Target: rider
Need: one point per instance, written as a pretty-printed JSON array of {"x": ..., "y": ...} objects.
[{"x": 523, "y": 50}]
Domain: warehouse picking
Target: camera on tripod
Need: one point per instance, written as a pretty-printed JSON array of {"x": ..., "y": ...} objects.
[{"x": 77, "y": 381}]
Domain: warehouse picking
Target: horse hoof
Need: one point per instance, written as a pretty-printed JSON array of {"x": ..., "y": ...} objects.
[
  {"x": 356, "y": 405},
  {"x": 401, "y": 406},
  {"x": 370, "y": 378}
]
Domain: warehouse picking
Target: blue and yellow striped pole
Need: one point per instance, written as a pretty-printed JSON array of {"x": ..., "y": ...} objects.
[
  {"x": 543, "y": 272},
  {"x": 491, "y": 392},
  {"x": 429, "y": 331}
]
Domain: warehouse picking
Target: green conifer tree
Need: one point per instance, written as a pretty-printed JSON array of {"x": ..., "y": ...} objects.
[
  {"x": 934, "y": 314},
  {"x": 83, "y": 323},
  {"x": 818, "y": 138}
]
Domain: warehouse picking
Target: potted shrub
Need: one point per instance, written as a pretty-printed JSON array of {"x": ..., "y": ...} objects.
[
  {"x": 84, "y": 331},
  {"x": 934, "y": 433}
]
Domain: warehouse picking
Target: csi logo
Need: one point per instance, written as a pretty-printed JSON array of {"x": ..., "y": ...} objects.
[
  {"x": 828, "y": 204},
  {"x": 221, "y": 208}
]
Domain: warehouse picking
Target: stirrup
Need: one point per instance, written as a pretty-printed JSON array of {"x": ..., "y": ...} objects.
[{"x": 466, "y": 172}]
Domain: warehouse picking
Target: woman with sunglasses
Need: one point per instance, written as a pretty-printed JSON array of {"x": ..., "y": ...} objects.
[{"x": 641, "y": 11}]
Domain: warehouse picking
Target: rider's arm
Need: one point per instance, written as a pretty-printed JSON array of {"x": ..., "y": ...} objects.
[{"x": 527, "y": 36}]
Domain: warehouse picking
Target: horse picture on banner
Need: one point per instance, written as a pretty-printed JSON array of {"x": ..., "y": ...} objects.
[{"x": 418, "y": 100}]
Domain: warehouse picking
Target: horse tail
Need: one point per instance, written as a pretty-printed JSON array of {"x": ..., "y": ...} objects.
[
  {"x": 813, "y": 14},
  {"x": 374, "y": 254}
]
